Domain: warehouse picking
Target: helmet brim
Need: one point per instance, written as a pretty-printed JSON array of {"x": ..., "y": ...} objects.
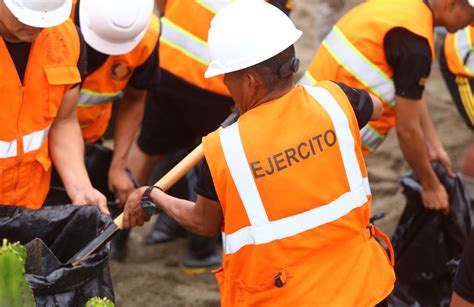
[
  {"x": 103, "y": 46},
  {"x": 215, "y": 69},
  {"x": 43, "y": 19}
]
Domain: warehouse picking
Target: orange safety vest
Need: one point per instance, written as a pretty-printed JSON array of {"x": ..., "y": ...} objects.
[
  {"x": 353, "y": 53},
  {"x": 293, "y": 186},
  {"x": 107, "y": 83},
  {"x": 183, "y": 42},
  {"x": 459, "y": 51},
  {"x": 29, "y": 109}
]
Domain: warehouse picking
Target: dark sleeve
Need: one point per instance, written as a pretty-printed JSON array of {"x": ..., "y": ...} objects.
[
  {"x": 205, "y": 185},
  {"x": 147, "y": 75},
  {"x": 410, "y": 57},
  {"x": 82, "y": 62},
  {"x": 464, "y": 279},
  {"x": 361, "y": 103},
  {"x": 283, "y": 5}
]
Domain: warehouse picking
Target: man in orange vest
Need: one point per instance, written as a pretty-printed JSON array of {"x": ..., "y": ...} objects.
[
  {"x": 122, "y": 65},
  {"x": 41, "y": 62},
  {"x": 387, "y": 47},
  {"x": 122, "y": 51},
  {"x": 457, "y": 66},
  {"x": 287, "y": 184},
  {"x": 185, "y": 106}
]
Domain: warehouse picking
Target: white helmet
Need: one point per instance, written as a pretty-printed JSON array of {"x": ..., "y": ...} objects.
[
  {"x": 114, "y": 27},
  {"x": 245, "y": 33},
  {"x": 40, "y": 13},
  {"x": 471, "y": 2}
]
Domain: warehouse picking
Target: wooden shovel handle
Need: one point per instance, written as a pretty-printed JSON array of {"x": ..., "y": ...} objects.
[{"x": 175, "y": 174}]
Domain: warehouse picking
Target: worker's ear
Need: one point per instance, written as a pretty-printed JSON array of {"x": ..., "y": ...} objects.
[
  {"x": 451, "y": 4},
  {"x": 253, "y": 79}
]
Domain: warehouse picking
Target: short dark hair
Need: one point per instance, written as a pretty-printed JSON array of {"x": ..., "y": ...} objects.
[{"x": 269, "y": 69}]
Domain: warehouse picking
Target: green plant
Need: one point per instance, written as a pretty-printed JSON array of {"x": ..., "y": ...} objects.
[
  {"x": 99, "y": 302},
  {"x": 14, "y": 288}
]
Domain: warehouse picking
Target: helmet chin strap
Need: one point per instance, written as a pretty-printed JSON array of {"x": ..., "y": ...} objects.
[{"x": 289, "y": 67}]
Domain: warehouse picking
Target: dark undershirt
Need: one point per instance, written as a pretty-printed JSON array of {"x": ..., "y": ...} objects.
[
  {"x": 144, "y": 77},
  {"x": 363, "y": 108},
  {"x": 20, "y": 52},
  {"x": 410, "y": 57}
]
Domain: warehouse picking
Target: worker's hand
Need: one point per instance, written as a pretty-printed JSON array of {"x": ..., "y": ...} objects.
[
  {"x": 133, "y": 213},
  {"x": 91, "y": 196},
  {"x": 120, "y": 184},
  {"x": 439, "y": 154},
  {"x": 436, "y": 199}
]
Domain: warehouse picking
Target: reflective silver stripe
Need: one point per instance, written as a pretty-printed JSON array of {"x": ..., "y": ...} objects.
[
  {"x": 307, "y": 79},
  {"x": 242, "y": 176},
  {"x": 88, "y": 98},
  {"x": 261, "y": 229},
  {"x": 371, "y": 139},
  {"x": 35, "y": 140},
  {"x": 184, "y": 41},
  {"x": 8, "y": 149},
  {"x": 214, "y": 5},
  {"x": 359, "y": 66},
  {"x": 464, "y": 48}
]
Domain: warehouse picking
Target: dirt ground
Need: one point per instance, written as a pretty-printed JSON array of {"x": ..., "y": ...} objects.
[{"x": 152, "y": 276}]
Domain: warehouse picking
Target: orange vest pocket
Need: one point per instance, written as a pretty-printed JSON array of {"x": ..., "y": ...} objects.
[
  {"x": 59, "y": 78},
  {"x": 270, "y": 290}
]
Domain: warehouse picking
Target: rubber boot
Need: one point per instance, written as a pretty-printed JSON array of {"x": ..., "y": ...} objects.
[
  {"x": 166, "y": 229},
  {"x": 118, "y": 246},
  {"x": 201, "y": 254}
]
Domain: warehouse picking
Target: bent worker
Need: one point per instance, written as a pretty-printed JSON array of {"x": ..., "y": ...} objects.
[
  {"x": 123, "y": 64},
  {"x": 387, "y": 47},
  {"x": 457, "y": 66},
  {"x": 182, "y": 109},
  {"x": 287, "y": 184},
  {"x": 42, "y": 58}
]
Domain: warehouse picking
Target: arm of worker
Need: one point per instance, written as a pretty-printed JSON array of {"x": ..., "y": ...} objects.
[
  {"x": 410, "y": 56},
  {"x": 433, "y": 144},
  {"x": 411, "y": 137},
  {"x": 366, "y": 107},
  {"x": 128, "y": 121},
  {"x": 67, "y": 152},
  {"x": 203, "y": 217}
]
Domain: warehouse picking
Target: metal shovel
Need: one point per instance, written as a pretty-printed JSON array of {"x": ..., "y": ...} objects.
[{"x": 164, "y": 183}]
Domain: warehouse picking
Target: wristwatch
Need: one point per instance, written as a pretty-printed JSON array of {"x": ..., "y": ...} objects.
[{"x": 146, "y": 202}]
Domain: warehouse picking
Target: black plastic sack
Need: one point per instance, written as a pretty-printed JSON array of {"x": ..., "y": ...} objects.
[
  {"x": 65, "y": 230},
  {"x": 428, "y": 245}
]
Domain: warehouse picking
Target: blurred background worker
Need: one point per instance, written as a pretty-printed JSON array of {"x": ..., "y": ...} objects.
[
  {"x": 387, "y": 48},
  {"x": 183, "y": 108},
  {"x": 42, "y": 61},
  {"x": 287, "y": 183},
  {"x": 457, "y": 66}
]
